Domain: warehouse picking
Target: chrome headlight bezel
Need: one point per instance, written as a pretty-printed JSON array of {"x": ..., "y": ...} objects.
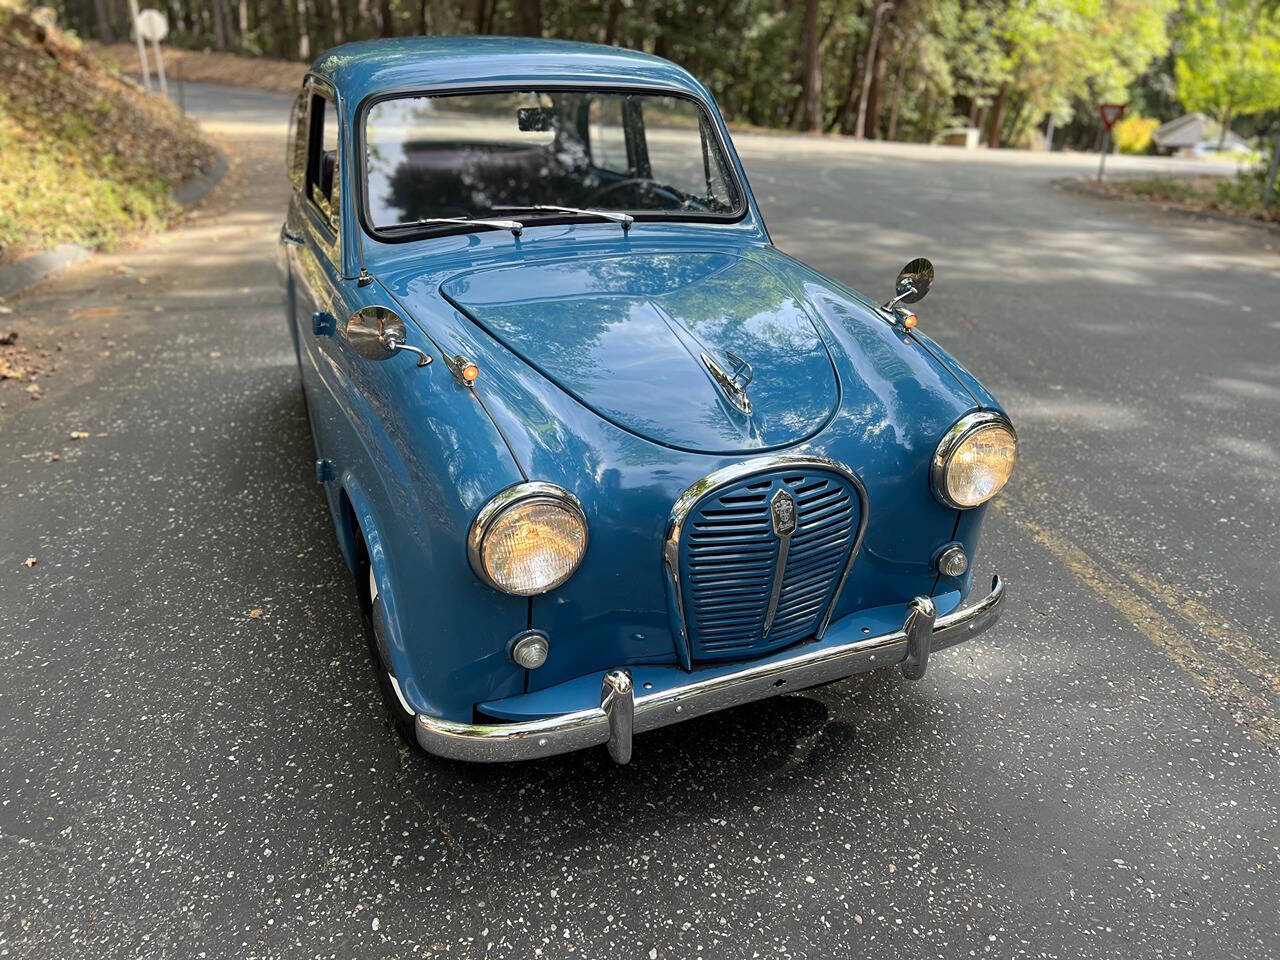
[
  {"x": 520, "y": 494},
  {"x": 951, "y": 441}
]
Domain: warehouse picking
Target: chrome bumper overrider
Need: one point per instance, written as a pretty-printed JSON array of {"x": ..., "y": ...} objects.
[{"x": 622, "y": 714}]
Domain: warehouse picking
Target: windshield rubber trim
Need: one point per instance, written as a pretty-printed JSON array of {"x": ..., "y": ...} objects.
[{"x": 409, "y": 235}]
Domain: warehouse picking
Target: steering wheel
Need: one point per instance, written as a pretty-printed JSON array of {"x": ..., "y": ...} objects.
[{"x": 653, "y": 187}]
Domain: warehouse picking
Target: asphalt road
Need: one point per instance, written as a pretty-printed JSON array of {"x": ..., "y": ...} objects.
[{"x": 1095, "y": 778}]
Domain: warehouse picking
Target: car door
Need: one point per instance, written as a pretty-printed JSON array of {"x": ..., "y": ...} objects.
[
  {"x": 290, "y": 231},
  {"x": 317, "y": 260}
]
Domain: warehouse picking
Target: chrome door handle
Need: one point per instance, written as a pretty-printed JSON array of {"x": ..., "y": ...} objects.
[{"x": 287, "y": 237}]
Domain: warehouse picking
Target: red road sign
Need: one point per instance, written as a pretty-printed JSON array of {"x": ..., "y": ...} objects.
[{"x": 1111, "y": 112}]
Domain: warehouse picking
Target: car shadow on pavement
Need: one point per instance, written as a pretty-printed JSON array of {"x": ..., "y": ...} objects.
[{"x": 720, "y": 766}]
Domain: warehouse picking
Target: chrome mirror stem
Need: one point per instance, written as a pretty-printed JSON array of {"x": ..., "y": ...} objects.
[
  {"x": 903, "y": 294},
  {"x": 395, "y": 345}
]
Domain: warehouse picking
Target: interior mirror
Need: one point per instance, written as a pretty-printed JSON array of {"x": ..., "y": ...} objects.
[
  {"x": 914, "y": 281},
  {"x": 536, "y": 118},
  {"x": 377, "y": 333}
]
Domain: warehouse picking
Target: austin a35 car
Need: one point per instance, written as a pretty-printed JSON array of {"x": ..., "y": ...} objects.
[{"x": 601, "y": 456}]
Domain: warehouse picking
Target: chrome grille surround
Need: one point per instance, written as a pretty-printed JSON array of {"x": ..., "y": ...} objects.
[{"x": 793, "y": 589}]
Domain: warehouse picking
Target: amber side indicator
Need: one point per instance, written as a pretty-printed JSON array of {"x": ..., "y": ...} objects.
[
  {"x": 910, "y": 320},
  {"x": 464, "y": 371}
]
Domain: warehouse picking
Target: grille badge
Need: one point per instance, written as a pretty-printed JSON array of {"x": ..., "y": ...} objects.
[{"x": 783, "y": 510}]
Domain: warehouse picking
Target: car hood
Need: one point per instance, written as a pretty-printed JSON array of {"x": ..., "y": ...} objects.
[{"x": 626, "y": 336}]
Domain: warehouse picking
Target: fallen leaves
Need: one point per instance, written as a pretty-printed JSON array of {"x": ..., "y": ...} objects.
[
  {"x": 79, "y": 434},
  {"x": 22, "y": 363},
  {"x": 30, "y": 562},
  {"x": 255, "y": 613}
]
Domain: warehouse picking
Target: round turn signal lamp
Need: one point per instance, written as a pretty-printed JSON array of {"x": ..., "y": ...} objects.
[
  {"x": 952, "y": 562},
  {"x": 910, "y": 320},
  {"x": 530, "y": 649},
  {"x": 469, "y": 372}
]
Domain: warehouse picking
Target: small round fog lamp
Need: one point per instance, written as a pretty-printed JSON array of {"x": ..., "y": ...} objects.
[
  {"x": 530, "y": 649},
  {"x": 952, "y": 562}
]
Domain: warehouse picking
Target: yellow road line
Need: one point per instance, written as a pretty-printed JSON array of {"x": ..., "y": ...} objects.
[
  {"x": 1254, "y": 712},
  {"x": 1236, "y": 642}
]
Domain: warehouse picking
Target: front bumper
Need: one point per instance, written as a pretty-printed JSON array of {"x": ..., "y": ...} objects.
[{"x": 622, "y": 714}]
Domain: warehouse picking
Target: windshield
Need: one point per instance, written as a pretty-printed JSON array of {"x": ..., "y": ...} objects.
[{"x": 490, "y": 154}]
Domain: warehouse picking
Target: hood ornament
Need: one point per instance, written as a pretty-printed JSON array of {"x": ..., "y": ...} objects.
[{"x": 732, "y": 382}]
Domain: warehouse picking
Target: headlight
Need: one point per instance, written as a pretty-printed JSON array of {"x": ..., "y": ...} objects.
[
  {"x": 974, "y": 460},
  {"x": 528, "y": 539}
]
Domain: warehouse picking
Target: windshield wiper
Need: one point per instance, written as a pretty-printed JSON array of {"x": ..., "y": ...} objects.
[
  {"x": 625, "y": 219},
  {"x": 515, "y": 226}
]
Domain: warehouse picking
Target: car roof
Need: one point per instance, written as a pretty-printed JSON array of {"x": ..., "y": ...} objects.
[{"x": 369, "y": 67}]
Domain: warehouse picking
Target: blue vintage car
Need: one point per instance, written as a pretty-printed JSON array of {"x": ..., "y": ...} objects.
[{"x": 602, "y": 457}]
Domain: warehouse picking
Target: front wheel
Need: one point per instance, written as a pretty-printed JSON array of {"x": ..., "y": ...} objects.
[{"x": 375, "y": 629}]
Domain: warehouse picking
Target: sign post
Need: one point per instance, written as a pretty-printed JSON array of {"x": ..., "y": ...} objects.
[
  {"x": 142, "y": 47},
  {"x": 153, "y": 25},
  {"x": 1271, "y": 175},
  {"x": 1110, "y": 113}
]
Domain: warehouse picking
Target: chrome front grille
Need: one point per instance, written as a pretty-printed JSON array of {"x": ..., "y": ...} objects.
[{"x": 752, "y": 580}]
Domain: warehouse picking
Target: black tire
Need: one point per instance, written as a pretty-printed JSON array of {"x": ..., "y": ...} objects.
[{"x": 375, "y": 631}]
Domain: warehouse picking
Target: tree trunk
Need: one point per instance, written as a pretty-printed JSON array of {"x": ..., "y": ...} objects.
[
  {"x": 611, "y": 24},
  {"x": 868, "y": 66},
  {"x": 304, "y": 36},
  {"x": 424, "y": 18},
  {"x": 876, "y": 94},
  {"x": 1226, "y": 128},
  {"x": 345, "y": 20},
  {"x": 278, "y": 30},
  {"x": 528, "y": 18},
  {"x": 325, "y": 20},
  {"x": 386, "y": 20},
  {"x": 244, "y": 18},
  {"x": 811, "y": 79},
  {"x": 997, "y": 111},
  {"x": 898, "y": 80},
  {"x": 105, "y": 33},
  {"x": 217, "y": 23}
]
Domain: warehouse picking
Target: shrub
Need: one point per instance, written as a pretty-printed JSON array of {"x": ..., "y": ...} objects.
[{"x": 1133, "y": 134}]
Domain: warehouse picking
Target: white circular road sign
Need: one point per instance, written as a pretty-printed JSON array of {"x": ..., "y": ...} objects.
[{"x": 152, "y": 25}]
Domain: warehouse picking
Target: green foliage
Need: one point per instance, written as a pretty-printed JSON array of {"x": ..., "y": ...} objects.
[
  {"x": 907, "y": 68},
  {"x": 1240, "y": 195},
  {"x": 87, "y": 158},
  {"x": 1229, "y": 59},
  {"x": 1133, "y": 133}
]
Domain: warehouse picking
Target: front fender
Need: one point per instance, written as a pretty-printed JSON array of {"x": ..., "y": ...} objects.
[{"x": 415, "y": 458}]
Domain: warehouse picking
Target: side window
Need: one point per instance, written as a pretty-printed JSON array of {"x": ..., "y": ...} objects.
[
  {"x": 322, "y": 159},
  {"x": 608, "y": 136},
  {"x": 680, "y": 156},
  {"x": 296, "y": 151}
]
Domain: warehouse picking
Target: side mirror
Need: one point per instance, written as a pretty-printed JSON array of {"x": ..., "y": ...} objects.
[
  {"x": 377, "y": 333},
  {"x": 914, "y": 281}
]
